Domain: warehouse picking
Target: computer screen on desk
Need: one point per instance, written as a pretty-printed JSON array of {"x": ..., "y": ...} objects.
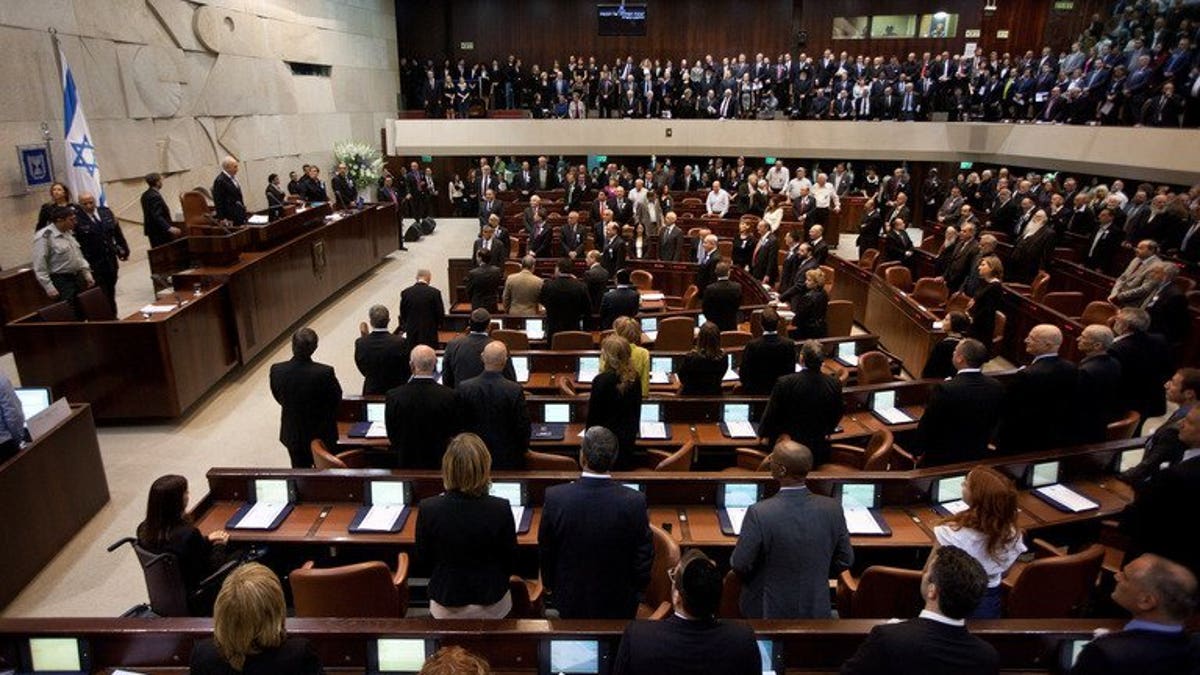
[
  {"x": 375, "y": 412},
  {"x": 60, "y": 655},
  {"x": 1043, "y": 474},
  {"x": 736, "y": 412},
  {"x": 649, "y": 325},
  {"x": 651, "y": 412},
  {"x": 33, "y": 400},
  {"x": 860, "y": 495},
  {"x": 556, "y": 413},
  {"x": 587, "y": 657},
  {"x": 534, "y": 329},
  {"x": 398, "y": 656}
]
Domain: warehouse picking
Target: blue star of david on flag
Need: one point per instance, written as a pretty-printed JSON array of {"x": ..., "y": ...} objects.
[{"x": 83, "y": 161}]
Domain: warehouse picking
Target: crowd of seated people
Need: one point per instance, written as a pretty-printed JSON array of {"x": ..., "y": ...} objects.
[{"x": 1138, "y": 68}]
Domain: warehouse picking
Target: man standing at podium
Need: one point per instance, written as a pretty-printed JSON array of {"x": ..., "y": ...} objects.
[
  {"x": 227, "y": 193},
  {"x": 343, "y": 188}
]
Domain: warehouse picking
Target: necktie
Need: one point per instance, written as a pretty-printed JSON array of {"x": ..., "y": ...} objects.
[{"x": 1096, "y": 241}]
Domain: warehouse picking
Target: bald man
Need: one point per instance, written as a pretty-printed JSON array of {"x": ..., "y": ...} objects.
[
  {"x": 1100, "y": 397},
  {"x": 422, "y": 415},
  {"x": 1039, "y": 408},
  {"x": 791, "y": 544},
  {"x": 227, "y": 193},
  {"x": 494, "y": 408}
]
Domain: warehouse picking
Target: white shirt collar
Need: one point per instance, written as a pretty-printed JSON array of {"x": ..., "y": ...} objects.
[
  {"x": 970, "y": 370},
  {"x": 1188, "y": 454},
  {"x": 934, "y": 616},
  {"x": 589, "y": 474},
  {"x": 379, "y": 330},
  {"x": 1044, "y": 356}
]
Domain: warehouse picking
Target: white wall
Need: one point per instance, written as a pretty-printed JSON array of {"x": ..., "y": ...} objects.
[{"x": 172, "y": 86}]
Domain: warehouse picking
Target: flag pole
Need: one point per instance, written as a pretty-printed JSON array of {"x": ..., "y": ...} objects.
[{"x": 46, "y": 135}]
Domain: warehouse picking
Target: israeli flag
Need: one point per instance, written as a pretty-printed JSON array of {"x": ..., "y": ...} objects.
[{"x": 83, "y": 173}]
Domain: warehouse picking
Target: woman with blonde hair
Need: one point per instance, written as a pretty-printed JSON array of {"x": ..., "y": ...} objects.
[
  {"x": 810, "y": 308},
  {"x": 616, "y": 398},
  {"x": 248, "y": 631},
  {"x": 987, "y": 530},
  {"x": 629, "y": 328},
  {"x": 467, "y": 537}
]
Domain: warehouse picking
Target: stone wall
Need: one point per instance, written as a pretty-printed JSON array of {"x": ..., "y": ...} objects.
[{"x": 172, "y": 86}]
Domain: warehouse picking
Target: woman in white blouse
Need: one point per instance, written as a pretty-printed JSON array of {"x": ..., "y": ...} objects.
[
  {"x": 987, "y": 530},
  {"x": 774, "y": 213}
]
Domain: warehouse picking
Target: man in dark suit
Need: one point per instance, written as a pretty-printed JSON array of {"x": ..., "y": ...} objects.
[
  {"x": 541, "y": 239},
  {"x": 344, "y": 192},
  {"x": 494, "y": 408},
  {"x": 1104, "y": 242},
  {"x": 670, "y": 238},
  {"x": 523, "y": 180},
  {"x": 596, "y": 278},
  {"x": 594, "y": 539},
  {"x": 790, "y": 544},
  {"x": 764, "y": 261},
  {"x": 489, "y": 240},
  {"x": 816, "y": 241},
  {"x": 766, "y": 359},
  {"x": 573, "y": 237},
  {"x": 961, "y": 259},
  {"x": 227, "y": 193},
  {"x": 309, "y": 394},
  {"x": 421, "y": 415},
  {"x": 1166, "y": 304},
  {"x": 613, "y": 253},
  {"x": 1038, "y": 411},
  {"x": 791, "y": 262},
  {"x": 937, "y": 641},
  {"x": 1100, "y": 397},
  {"x": 483, "y": 282},
  {"x": 566, "y": 300},
  {"x": 1032, "y": 250},
  {"x": 962, "y": 411},
  {"x": 708, "y": 261},
  {"x": 485, "y": 182},
  {"x": 692, "y": 639},
  {"x": 156, "y": 216},
  {"x": 1145, "y": 362},
  {"x": 622, "y": 208},
  {"x": 381, "y": 357},
  {"x": 312, "y": 188},
  {"x": 1160, "y": 594},
  {"x": 490, "y": 206},
  {"x": 624, "y": 300},
  {"x": 1004, "y": 212},
  {"x": 102, "y": 243},
  {"x": 1164, "y": 448},
  {"x": 817, "y": 394},
  {"x": 421, "y": 311},
  {"x": 535, "y": 211},
  {"x": 463, "y": 358},
  {"x": 721, "y": 299},
  {"x": 601, "y": 214}
]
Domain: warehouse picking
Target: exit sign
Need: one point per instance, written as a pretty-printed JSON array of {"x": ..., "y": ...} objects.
[
  {"x": 466, "y": 46},
  {"x": 1064, "y": 5}
]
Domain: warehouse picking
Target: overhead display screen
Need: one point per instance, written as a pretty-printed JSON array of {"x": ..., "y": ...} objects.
[{"x": 622, "y": 19}]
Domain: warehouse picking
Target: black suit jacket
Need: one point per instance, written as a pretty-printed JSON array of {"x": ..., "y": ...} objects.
[
  {"x": 819, "y": 396},
  {"x": 1100, "y": 386},
  {"x": 499, "y": 250},
  {"x": 497, "y": 208},
  {"x": 344, "y": 191},
  {"x": 470, "y": 543},
  {"x": 1004, "y": 218},
  {"x": 541, "y": 243},
  {"x": 309, "y": 394},
  {"x": 820, "y": 250},
  {"x": 421, "y": 312},
  {"x": 619, "y": 412},
  {"x": 897, "y": 245},
  {"x": 573, "y": 239},
  {"x": 595, "y": 548},
  {"x": 483, "y": 286},
  {"x": 156, "y": 218},
  {"x": 613, "y": 257},
  {"x": 764, "y": 260},
  {"x": 227, "y": 197},
  {"x": 922, "y": 647},
  {"x": 1039, "y": 407},
  {"x": 295, "y": 657},
  {"x": 596, "y": 278},
  {"x": 1145, "y": 366},
  {"x": 422, "y": 416},
  {"x": 567, "y": 303},
  {"x": 765, "y": 360},
  {"x": 463, "y": 359},
  {"x": 382, "y": 358},
  {"x": 1160, "y": 519},
  {"x": 620, "y": 301},
  {"x": 959, "y": 419},
  {"x": 1169, "y": 317},
  {"x": 1030, "y": 254},
  {"x": 687, "y": 647},
  {"x": 312, "y": 190},
  {"x": 1140, "y": 651},
  {"x": 1102, "y": 246},
  {"x": 810, "y": 307},
  {"x": 707, "y": 271},
  {"x": 720, "y": 302},
  {"x": 669, "y": 243},
  {"x": 494, "y": 408}
]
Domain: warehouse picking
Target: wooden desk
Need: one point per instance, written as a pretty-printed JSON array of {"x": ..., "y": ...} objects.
[
  {"x": 48, "y": 492},
  {"x": 20, "y": 294}
]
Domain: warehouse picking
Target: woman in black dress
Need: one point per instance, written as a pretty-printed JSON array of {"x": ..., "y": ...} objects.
[
  {"x": 60, "y": 195},
  {"x": 168, "y": 529},
  {"x": 702, "y": 368},
  {"x": 616, "y": 399},
  {"x": 986, "y": 302},
  {"x": 810, "y": 307},
  {"x": 743, "y": 246},
  {"x": 940, "y": 364}
]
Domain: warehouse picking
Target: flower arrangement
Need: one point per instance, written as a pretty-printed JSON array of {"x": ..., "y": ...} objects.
[{"x": 363, "y": 162}]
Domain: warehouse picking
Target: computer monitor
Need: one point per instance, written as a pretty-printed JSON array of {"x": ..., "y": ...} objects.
[
  {"x": 847, "y": 353},
  {"x": 33, "y": 400},
  {"x": 860, "y": 495},
  {"x": 520, "y": 366},
  {"x": 701, "y": 320},
  {"x": 573, "y": 656},
  {"x": 398, "y": 656},
  {"x": 274, "y": 491},
  {"x": 949, "y": 489},
  {"x": 770, "y": 653},
  {"x": 387, "y": 493},
  {"x": 649, "y": 325},
  {"x": 556, "y": 413},
  {"x": 1068, "y": 653},
  {"x": 735, "y": 412},
  {"x": 662, "y": 364},
  {"x": 883, "y": 400},
  {"x": 535, "y": 329},
  {"x": 738, "y": 495},
  {"x": 61, "y": 655},
  {"x": 651, "y": 412},
  {"x": 513, "y": 491},
  {"x": 375, "y": 412},
  {"x": 1043, "y": 474},
  {"x": 589, "y": 364}
]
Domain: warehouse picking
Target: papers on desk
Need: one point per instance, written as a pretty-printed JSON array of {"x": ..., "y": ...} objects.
[
  {"x": 653, "y": 297},
  {"x": 381, "y": 518},
  {"x": 736, "y": 516},
  {"x": 377, "y": 430},
  {"x": 119, "y": 671},
  {"x": 742, "y": 429},
  {"x": 257, "y": 219},
  {"x": 860, "y": 520},
  {"x": 730, "y": 376},
  {"x": 893, "y": 415},
  {"x": 156, "y": 309},
  {"x": 659, "y": 377},
  {"x": 653, "y": 431},
  {"x": 261, "y": 516},
  {"x": 937, "y": 325},
  {"x": 1065, "y": 498},
  {"x": 518, "y": 512},
  {"x": 955, "y": 507}
]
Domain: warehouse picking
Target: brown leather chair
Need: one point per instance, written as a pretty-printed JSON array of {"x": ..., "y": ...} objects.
[
  {"x": 725, "y": 248},
  {"x": 839, "y": 318},
  {"x": 829, "y": 274},
  {"x": 899, "y": 277},
  {"x": 95, "y": 305},
  {"x": 675, "y": 334},
  {"x": 366, "y": 589},
  {"x": 1193, "y": 298},
  {"x": 691, "y": 297},
  {"x": 197, "y": 208},
  {"x": 874, "y": 367},
  {"x": 1185, "y": 284},
  {"x": 957, "y": 302},
  {"x": 324, "y": 459},
  {"x": 880, "y": 593},
  {"x": 1040, "y": 286},
  {"x": 691, "y": 201},
  {"x": 1098, "y": 311},
  {"x": 869, "y": 259},
  {"x": 527, "y": 598},
  {"x": 656, "y": 602},
  {"x": 880, "y": 454},
  {"x": 748, "y": 460},
  {"x": 545, "y": 461},
  {"x": 998, "y": 333},
  {"x": 515, "y": 340},
  {"x": 1069, "y": 303},
  {"x": 1123, "y": 428},
  {"x": 679, "y": 461},
  {"x": 511, "y": 267},
  {"x": 572, "y": 341},
  {"x": 641, "y": 280},
  {"x": 1055, "y": 585},
  {"x": 58, "y": 312},
  {"x": 731, "y": 594},
  {"x": 931, "y": 293},
  {"x": 732, "y": 339}
]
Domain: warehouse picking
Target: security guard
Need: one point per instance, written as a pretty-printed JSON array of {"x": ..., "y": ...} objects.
[{"x": 58, "y": 262}]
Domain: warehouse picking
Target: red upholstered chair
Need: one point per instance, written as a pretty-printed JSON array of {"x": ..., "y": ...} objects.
[
  {"x": 880, "y": 593},
  {"x": 366, "y": 589},
  {"x": 324, "y": 459},
  {"x": 874, "y": 367},
  {"x": 1055, "y": 585},
  {"x": 869, "y": 259},
  {"x": 1098, "y": 311},
  {"x": 839, "y": 317},
  {"x": 571, "y": 341},
  {"x": 656, "y": 602},
  {"x": 899, "y": 277},
  {"x": 675, "y": 334}
]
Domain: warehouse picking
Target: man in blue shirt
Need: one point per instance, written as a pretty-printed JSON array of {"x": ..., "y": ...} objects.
[{"x": 12, "y": 420}]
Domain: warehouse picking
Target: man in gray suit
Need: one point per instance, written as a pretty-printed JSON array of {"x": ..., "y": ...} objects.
[
  {"x": 670, "y": 239},
  {"x": 790, "y": 545},
  {"x": 1135, "y": 283}
]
